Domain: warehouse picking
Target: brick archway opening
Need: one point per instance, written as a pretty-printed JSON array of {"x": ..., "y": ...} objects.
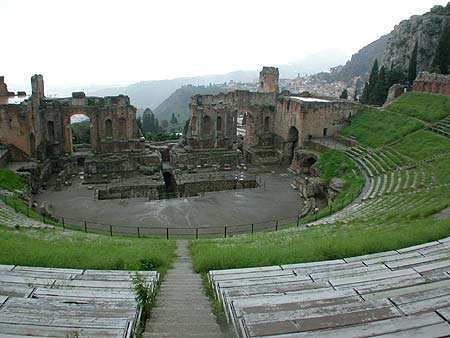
[{"x": 292, "y": 140}]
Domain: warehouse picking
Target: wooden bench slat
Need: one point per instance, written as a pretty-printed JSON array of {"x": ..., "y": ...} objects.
[{"x": 373, "y": 328}]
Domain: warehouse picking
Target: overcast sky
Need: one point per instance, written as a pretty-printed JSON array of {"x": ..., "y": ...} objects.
[{"x": 85, "y": 42}]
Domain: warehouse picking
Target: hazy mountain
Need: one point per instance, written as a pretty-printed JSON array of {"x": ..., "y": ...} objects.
[
  {"x": 361, "y": 62},
  {"x": 152, "y": 93},
  {"x": 314, "y": 63},
  {"x": 178, "y": 101}
]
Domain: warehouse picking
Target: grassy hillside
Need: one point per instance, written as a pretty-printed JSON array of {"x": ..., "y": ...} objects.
[
  {"x": 422, "y": 144},
  {"x": 376, "y": 127},
  {"x": 10, "y": 181},
  {"x": 423, "y": 106}
]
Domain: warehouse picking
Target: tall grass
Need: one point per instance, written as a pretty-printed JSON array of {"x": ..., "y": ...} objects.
[
  {"x": 59, "y": 249},
  {"x": 314, "y": 244}
]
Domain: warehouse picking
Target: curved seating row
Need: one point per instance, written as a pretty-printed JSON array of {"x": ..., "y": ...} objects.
[
  {"x": 401, "y": 293},
  {"x": 47, "y": 302}
]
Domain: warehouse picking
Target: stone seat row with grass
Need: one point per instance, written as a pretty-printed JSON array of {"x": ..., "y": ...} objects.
[
  {"x": 402, "y": 293},
  {"x": 442, "y": 127},
  {"x": 52, "y": 302}
]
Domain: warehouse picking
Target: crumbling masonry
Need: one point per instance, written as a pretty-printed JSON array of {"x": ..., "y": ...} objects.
[{"x": 276, "y": 124}]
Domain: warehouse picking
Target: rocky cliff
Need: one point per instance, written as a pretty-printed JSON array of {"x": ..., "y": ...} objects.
[{"x": 426, "y": 30}]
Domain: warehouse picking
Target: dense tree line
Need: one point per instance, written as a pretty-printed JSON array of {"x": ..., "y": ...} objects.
[
  {"x": 380, "y": 80},
  {"x": 150, "y": 123},
  {"x": 441, "y": 62}
]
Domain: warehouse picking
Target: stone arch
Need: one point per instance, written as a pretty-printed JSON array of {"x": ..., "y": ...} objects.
[
  {"x": 206, "y": 126},
  {"x": 267, "y": 123},
  {"x": 32, "y": 144},
  {"x": 50, "y": 131},
  {"x": 122, "y": 128},
  {"x": 219, "y": 123},
  {"x": 292, "y": 140},
  {"x": 108, "y": 128}
]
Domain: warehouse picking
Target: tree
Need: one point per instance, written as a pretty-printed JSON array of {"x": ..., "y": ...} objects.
[
  {"x": 412, "y": 68},
  {"x": 376, "y": 90},
  {"x": 149, "y": 122},
  {"x": 365, "y": 94},
  {"x": 381, "y": 88},
  {"x": 173, "y": 119},
  {"x": 441, "y": 61},
  {"x": 344, "y": 94},
  {"x": 355, "y": 94},
  {"x": 139, "y": 124},
  {"x": 368, "y": 92}
]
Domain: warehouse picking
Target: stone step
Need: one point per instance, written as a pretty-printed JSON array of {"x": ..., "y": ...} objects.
[{"x": 182, "y": 309}]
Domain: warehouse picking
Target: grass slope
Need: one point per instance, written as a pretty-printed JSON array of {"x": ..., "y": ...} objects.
[
  {"x": 313, "y": 244},
  {"x": 426, "y": 107},
  {"x": 58, "y": 249},
  {"x": 422, "y": 144},
  {"x": 376, "y": 127},
  {"x": 334, "y": 163},
  {"x": 10, "y": 181}
]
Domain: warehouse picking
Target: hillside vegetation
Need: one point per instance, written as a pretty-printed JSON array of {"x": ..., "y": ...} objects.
[
  {"x": 377, "y": 127},
  {"x": 423, "y": 106},
  {"x": 10, "y": 181},
  {"x": 423, "y": 144}
]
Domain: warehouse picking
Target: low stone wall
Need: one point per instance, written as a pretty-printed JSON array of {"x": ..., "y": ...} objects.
[
  {"x": 179, "y": 157},
  {"x": 432, "y": 83},
  {"x": 187, "y": 189}
]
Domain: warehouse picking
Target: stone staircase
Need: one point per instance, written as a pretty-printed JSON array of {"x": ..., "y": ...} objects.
[{"x": 182, "y": 309}]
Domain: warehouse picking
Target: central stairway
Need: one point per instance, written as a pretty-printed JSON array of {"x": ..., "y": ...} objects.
[{"x": 182, "y": 309}]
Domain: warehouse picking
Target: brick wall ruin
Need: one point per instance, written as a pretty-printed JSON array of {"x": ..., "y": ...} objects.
[
  {"x": 432, "y": 83},
  {"x": 39, "y": 126},
  {"x": 4, "y": 88},
  {"x": 268, "y": 80},
  {"x": 276, "y": 123}
]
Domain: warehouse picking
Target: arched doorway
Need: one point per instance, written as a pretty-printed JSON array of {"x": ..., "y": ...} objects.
[
  {"x": 80, "y": 129},
  {"x": 32, "y": 143},
  {"x": 267, "y": 123},
  {"x": 122, "y": 129},
  {"x": 292, "y": 142},
  {"x": 206, "y": 127},
  {"x": 50, "y": 131},
  {"x": 108, "y": 128}
]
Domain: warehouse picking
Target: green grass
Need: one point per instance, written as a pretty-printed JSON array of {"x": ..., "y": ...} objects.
[
  {"x": 331, "y": 164},
  {"x": 376, "y": 127},
  {"x": 313, "y": 244},
  {"x": 422, "y": 144},
  {"x": 426, "y": 107},
  {"x": 10, "y": 181},
  {"x": 334, "y": 163},
  {"x": 59, "y": 249}
]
